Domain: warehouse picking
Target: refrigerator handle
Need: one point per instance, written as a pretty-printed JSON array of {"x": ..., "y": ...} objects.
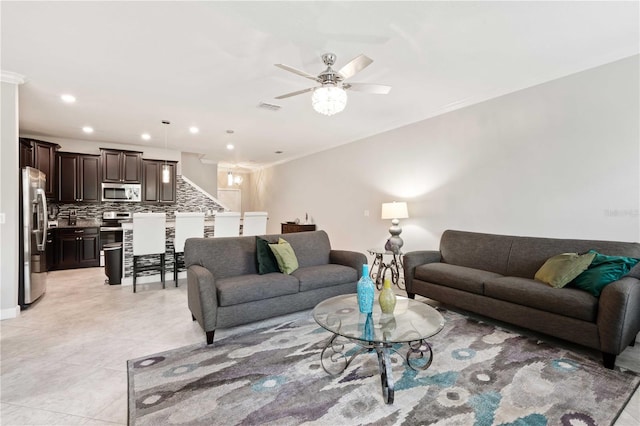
[{"x": 42, "y": 218}]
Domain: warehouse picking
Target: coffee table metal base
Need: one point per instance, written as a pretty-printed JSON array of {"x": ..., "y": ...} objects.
[{"x": 418, "y": 357}]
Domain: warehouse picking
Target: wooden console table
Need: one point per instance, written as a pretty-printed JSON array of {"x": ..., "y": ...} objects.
[{"x": 288, "y": 228}]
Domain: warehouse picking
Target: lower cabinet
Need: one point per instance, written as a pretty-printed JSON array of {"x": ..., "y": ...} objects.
[{"x": 77, "y": 248}]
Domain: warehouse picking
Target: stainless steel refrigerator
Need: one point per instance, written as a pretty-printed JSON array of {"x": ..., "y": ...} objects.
[{"x": 33, "y": 236}]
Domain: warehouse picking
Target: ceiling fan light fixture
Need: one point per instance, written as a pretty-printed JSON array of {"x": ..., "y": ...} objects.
[{"x": 329, "y": 99}]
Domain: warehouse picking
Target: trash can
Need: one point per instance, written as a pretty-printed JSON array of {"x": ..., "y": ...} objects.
[{"x": 113, "y": 262}]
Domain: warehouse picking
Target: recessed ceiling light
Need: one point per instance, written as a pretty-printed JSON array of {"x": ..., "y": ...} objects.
[
  {"x": 194, "y": 129},
  {"x": 68, "y": 98},
  {"x": 87, "y": 129},
  {"x": 145, "y": 136},
  {"x": 229, "y": 146}
]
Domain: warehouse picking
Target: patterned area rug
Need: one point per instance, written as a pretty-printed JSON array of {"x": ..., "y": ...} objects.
[{"x": 481, "y": 375}]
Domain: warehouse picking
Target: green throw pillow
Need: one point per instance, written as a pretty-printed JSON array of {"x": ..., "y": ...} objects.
[
  {"x": 602, "y": 271},
  {"x": 287, "y": 260},
  {"x": 267, "y": 262},
  {"x": 559, "y": 270}
]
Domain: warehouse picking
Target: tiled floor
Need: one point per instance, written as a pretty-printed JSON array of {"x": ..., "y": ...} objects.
[{"x": 63, "y": 361}]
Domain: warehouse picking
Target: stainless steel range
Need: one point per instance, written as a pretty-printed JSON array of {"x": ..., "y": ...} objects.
[{"x": 111, "y": 229}]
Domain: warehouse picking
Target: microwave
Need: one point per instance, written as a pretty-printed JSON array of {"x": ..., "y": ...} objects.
[{"x": 122, "y": 192}]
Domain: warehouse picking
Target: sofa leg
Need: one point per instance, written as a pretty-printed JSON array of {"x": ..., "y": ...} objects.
[
  {"x": 210, "y": 337},
  {"x": 609, "y": 360},
  {"x": 633, "y": 342},
  {"x": 411, "y": 295},
  {"x": 193, "y": 318}
]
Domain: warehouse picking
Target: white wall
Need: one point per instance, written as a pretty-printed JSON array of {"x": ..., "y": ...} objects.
[
  {"x": 9, "y": 200},
  {"x": 559, "y": 160}
]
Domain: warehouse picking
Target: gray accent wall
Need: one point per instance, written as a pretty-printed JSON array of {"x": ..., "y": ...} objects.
[
  {"x": 202, "y": 174},
  {"x": 560, "y": 159}
]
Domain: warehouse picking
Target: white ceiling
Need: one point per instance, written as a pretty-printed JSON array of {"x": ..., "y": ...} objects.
[{"x": 209, "y": 64}]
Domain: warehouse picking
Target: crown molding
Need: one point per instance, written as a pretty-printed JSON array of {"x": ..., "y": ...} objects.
[{"x": 11, "y": 77}]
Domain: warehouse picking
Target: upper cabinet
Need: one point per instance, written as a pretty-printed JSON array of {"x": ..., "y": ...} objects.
[
  {"x": 121, "y": 166},
  {"x": 153, "y": 189},
  {"x": 42, "y": 157},
  {"x": 78, "y": 177}
]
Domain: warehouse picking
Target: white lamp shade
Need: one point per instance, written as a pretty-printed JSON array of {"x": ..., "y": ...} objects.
[
  {"x": 329, "y": 100},
  {"x": 395, "y": 210}
]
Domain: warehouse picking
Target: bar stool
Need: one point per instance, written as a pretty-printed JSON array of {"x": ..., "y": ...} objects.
[
  {"x": 149, "y": 239},
  {"x": 254, "y": 223},
  {"x": 188, "y": 225},
  {"x": 227, "y": 224}
]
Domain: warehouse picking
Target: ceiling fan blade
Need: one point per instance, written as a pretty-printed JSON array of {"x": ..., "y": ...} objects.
[
  {"x": 356, "y": 65},
  {"x": 297, "y": 71},
  {"x": 376, "y": 89},
  {"x": 299, "y": 92}
]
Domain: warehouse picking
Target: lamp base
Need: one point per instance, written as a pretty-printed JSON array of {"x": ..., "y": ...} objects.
[{"x": 394, "y": 244}]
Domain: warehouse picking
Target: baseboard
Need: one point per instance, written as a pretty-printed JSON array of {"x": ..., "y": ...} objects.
[
  {"x": 168, "y": 277},
  {"x": 9, "y": 313}
]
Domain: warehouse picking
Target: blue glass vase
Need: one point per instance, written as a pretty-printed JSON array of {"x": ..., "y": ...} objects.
[{"x": 366, "y": 291}]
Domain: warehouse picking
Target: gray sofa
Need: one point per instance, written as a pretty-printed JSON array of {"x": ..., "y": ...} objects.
[
  {"x": 224, "y": 288},
  {"x": 492, "y": 275}
]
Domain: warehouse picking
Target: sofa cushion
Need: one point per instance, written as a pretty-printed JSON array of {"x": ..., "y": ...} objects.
[
  {"x": 460, "y": 277},
  {"x": 528, "y": 254},
  {"x": 267, "y": 262},
  {"x": 603, "y": 271},
  {"x": 568, "y": 302},
  {"x": 313, "y": 277},
  {"x": 487, "y": 252},
  {"x": 252, "y": 287},
  {"x": 559, "y": 270}
]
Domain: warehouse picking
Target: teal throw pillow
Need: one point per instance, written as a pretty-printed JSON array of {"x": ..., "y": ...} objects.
[
  {"x": 267, "y": 262},
  {"x": 287, "y": 260},
  {"x": 602, "y": 271}
]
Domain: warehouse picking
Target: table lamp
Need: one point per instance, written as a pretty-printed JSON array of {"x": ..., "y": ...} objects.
[{"x": 394, "y": 211}]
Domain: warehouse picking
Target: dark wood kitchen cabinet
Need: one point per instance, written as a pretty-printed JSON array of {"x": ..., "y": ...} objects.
[
  {"x": 26, "y": 153},
  {"x": 77, "y": 248},
  {"x": 121, "y": 166},
  {"x": 153, "y": 189},
  {"x": 43, "y": 158},
  {"x": 78, "y": 177}
]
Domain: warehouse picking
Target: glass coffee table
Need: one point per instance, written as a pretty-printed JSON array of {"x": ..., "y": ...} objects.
[{"x": 410, "y": 324}]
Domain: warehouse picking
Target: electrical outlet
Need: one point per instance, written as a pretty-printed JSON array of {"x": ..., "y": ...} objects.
[
  {"x": 366, "y": 213},
  {"x": 3, "y": 218}
]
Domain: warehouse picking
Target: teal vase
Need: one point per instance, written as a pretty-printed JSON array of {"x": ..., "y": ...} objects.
[{"x": 366, "y": 291}]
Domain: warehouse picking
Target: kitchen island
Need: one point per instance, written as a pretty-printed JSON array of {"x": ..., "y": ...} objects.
[{"x": 153, "y": 276}]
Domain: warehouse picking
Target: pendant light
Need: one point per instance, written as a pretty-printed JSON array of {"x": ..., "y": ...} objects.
[{"x": 166, "y": 176}]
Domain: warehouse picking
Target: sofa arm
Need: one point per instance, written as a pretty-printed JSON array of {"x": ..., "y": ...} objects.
[
  {"x": 202, "y": 297},
  {"x": 619, "y": 314},
  {"x": 416, "y": 258},
  {"x": 348, "y": 258}
]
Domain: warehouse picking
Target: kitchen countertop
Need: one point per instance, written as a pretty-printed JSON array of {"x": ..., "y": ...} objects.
[
  {"x": 80, "y": 223},
  {"x": 170, "y": 223}
]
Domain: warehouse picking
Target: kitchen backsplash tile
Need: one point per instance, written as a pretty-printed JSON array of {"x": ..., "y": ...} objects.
[{"x": 188, "y": 198}]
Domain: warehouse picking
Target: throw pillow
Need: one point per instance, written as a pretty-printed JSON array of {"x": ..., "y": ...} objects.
[
  {"x": 559, "y": 270},
  {"x": 287, "y": 260},
  {"x": 603, "y": 271},
  {"x": 267, "y": 262}
]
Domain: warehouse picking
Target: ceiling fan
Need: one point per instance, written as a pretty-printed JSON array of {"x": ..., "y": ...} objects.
[{"x": 330, "y": 97}]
